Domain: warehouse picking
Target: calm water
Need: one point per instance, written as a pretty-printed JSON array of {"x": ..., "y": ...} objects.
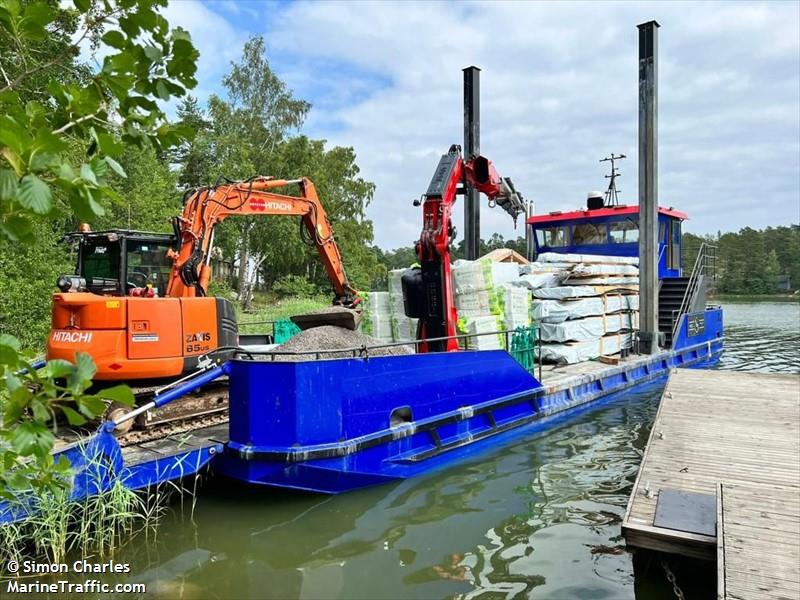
[{"x": 539, "y": 518}]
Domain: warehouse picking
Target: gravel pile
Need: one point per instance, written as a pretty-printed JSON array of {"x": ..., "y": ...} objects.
[{"x": 328, "y": 337}]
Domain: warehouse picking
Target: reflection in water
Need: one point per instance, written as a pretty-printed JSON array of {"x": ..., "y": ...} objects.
[{"x": 538, "y": 518}]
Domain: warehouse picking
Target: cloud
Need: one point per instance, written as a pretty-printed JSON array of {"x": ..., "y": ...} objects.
[{"x": 558, "y": 92}]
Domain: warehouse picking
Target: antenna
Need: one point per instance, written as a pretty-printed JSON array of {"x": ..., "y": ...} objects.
[{"x": 612, "y": 193}]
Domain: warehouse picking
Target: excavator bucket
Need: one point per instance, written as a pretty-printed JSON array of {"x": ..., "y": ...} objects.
[{"x": 338, "y": 316}]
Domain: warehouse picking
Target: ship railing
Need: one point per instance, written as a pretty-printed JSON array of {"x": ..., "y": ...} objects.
[
  {"x": 705, "y": 266},
  {"x": 506, "y": 335}
]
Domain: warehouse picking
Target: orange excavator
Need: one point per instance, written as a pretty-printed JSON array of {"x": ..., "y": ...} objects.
[{"x": 138, "y": 302}]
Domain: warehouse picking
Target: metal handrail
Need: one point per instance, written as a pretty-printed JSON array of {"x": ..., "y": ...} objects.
[
  {"x": 363, "y": 351},
  {"x": 699, "y": 268}
]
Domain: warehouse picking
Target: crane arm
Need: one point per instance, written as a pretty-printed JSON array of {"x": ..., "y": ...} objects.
[
  {"x": 208, "y": 207},
  {"x": 428, "y": 291}
]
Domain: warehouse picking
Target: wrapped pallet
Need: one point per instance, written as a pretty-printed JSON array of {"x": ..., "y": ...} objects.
[
  {"x": 591, "y": 311},
  {"x": 488, "y": 300},
  {"x": 377, "y": 319}
]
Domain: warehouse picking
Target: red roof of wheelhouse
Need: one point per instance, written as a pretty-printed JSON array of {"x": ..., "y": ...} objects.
[{"x": 601, "y": 212}]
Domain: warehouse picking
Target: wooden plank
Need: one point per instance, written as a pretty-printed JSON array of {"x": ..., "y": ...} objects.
[{"x": 736, "y": 435}]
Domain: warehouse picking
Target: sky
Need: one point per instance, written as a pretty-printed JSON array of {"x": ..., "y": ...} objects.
[{"x": 559, "y": 91}]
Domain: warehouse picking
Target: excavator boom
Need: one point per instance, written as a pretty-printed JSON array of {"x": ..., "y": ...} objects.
[
  {"x": 140, "y": 308},
  {"x": 208, "y": 207}
]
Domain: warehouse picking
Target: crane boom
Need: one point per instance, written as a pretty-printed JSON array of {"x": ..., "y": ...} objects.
[{"x": 428, "y": 290}]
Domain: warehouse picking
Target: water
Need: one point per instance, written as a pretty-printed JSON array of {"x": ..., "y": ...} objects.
[
  {"x": 762, "y": 336},
  {"x": 539, "y": 518}
]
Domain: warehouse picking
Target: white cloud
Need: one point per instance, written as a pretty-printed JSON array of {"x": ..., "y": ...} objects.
[{"x": 558, "y": 93}]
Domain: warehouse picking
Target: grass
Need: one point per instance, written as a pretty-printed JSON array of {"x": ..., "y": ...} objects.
[
  {"x": 758, "y": 297},
  {"x": 267, "y": 307}
]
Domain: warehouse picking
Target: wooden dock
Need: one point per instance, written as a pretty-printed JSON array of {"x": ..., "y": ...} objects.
[{"x": 731, "y": 440}]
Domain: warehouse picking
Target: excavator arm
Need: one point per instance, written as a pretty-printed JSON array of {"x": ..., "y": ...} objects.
[
  {"x": 207, "y": 207},
  {"x": 428, "y": 290}
]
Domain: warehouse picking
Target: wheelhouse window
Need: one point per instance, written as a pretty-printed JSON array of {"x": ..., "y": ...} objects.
[
  {"x": 624, "y": 232},
  {"x": 587, "y": 234},
  {"x": 553, "y": 237}
]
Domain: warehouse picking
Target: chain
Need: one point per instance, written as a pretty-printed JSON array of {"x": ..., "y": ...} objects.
[{"x": 671, "y": 578}]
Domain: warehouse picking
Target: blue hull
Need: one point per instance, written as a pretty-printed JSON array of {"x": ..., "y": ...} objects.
[
  {"x": 332, "y": 426},
  {"x": 324, "y": 426}
]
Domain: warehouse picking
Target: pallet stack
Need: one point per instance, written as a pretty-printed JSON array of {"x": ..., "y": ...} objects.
[
  {"x": 377, "y": 319},
  {"x": 487, "y": 300},
  {"x": 587, "y": 306}
]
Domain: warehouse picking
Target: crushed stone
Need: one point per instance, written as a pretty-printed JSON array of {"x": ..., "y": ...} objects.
[{"x": 328, "y": 337}]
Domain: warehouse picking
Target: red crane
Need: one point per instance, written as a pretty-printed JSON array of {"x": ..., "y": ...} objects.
[{"x": 428, "y": 289}]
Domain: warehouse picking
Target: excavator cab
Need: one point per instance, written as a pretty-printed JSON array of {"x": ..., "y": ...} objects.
[
  {"x": 115, "y": 307},
  {"x": 120, "y": 263}
]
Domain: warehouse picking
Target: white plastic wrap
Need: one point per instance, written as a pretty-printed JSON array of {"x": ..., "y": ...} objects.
[
  {"x": 576, "y": 291},
  {"x": 470, "y": 276},
  {"x": 587, "y": 258},
  {"x": 575, "y": 352},
  {"x": 590, "y": 328},
  {"x": 556, "y": 311},
  {"x": 486, "y": 324}
]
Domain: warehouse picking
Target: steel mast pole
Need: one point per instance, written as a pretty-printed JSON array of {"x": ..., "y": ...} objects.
[
  {"x": 648, "y": 188},
  {"x": 472, "y": 147}
]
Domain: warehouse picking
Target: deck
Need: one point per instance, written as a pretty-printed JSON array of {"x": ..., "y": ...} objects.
[{"x": 733, "y": 439}]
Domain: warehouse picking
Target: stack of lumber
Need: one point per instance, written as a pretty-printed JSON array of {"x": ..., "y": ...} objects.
[{"x": 590, "y": 311}]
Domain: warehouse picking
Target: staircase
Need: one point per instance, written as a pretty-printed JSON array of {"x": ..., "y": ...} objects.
[
  {"x": 670, "y": 299},
  {"x": 679, "y": 295}
]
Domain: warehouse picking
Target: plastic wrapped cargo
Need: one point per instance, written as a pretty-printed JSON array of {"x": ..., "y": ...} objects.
[
  {"x": 581, "y": 291},
  {"x": 587, "y": 258},
  {"x": 377, "y": 319},
  {"x": 482, "y": 325},
  {"x": 516, "y": 306},
  {"x": 483, "y": 274},
  {"x": 556, "y": 311},
  {"x": 588, "y": 329},
  {"x": 575, "y": 352},
  {"x": 403, "y": 328}
]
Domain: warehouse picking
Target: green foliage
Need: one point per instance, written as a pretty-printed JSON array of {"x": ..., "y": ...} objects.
[
  {"x": 32, "y": 401},
  {"x": 751, "y": 261},
  {"x": 248, "y": 133},
  {"x": 147, "y": 198},
  {"x": 65, "y": 129},
  {"x": 144, "y": 61},
  {"x": 294, "y": 285},
  {"x": 29, "y": 276}
]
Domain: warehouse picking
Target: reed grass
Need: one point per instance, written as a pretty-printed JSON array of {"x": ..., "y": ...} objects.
[{"x": 97, "y": 525}]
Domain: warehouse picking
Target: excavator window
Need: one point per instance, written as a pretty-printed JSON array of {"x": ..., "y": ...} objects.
[
  {"x": 147, "y": 263},
  {"x": 99, "y": 264}
]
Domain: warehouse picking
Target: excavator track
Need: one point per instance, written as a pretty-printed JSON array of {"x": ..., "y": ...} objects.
[
  {"x": 139, "y": 436},
  {"x": 206, "y": 407}
]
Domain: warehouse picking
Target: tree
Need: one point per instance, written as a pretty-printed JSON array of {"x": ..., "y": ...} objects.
[
  {"x": 107, "y": 109},
  {"x": 62, "y": 124}
]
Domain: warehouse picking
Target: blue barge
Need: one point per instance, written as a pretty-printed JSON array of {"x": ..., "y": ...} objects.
[{"x": 335, "y": 425}]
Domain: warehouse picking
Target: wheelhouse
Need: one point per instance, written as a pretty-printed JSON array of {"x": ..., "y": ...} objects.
[{"x": 610, "y": 231}]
